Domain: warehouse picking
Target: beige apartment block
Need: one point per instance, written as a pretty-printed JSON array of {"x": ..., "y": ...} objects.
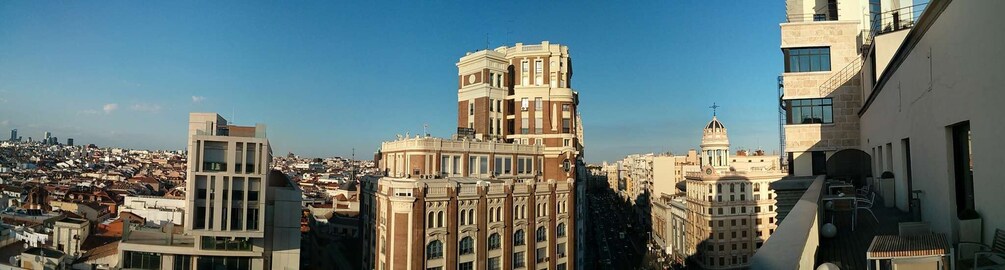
[
  {"x": 731, "y": 215},
  {"x": 821, "y": 45}
]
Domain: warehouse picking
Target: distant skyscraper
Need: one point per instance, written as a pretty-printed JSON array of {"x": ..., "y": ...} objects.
[
  {"x": 69, "y": 142},
  {"x": 53, "y": 141},
  {"x": 13, "y": 134},
  {"x": 48, "y": 136}
]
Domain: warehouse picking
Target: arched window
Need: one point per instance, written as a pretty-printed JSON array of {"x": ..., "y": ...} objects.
[
  {"x": 462, "y": 216},
  {"x": 471, "y": 216},
  {"x": 560, "y": 230},
  {"x": 519, "y": 238},
  {"x": 429, "y": 220},
  {"x": 494, "y": 241},
  {"x": 467, "y": 245},
  {"x": 541, "y": 234},
  {"x": 434, "y": 250},
  {"x": 498, "y": 213},
  {"x": 439, "y": 219}
]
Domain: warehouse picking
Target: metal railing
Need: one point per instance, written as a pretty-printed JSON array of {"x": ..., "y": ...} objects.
[
  {"x": 897, "y": 19},
  {"x": 890, "y": 21},
  {"x": 841, "y": 77}
]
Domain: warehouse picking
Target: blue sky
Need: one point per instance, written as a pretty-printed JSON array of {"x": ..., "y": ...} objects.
[{"x": 327, "y": 77}]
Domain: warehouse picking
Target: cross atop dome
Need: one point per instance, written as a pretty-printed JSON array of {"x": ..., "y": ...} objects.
[{"x": 714, "y": 107}]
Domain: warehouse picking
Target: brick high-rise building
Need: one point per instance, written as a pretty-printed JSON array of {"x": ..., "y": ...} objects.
[
  {"x": 502, "y": 193},
  {"x": 523, "y": 94}
]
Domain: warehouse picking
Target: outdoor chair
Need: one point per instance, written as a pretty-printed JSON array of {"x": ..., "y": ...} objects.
[
  {"x": 979, "y": 256},
  {"x": 865, "y": 204}
]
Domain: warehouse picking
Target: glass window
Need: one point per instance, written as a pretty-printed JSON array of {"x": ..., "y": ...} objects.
[
  {"x": 484, "y": 165},
  {"x": 141, "y": 260},
  {"x": 493, "y": 263},
  {"x": 519, "y": 238},
  {"x": 467, "y": 245},
  {"x": 560, "y": 230},
  {"x": 519, "y": 260},
  {"x": 542, "y": 234},
  {"x": 538, "y": 125},
  {"x": 494, "y": 241},
  {"x": 508, "y": 165},
  {"x": 807, "y": 59},
  {"x": 542, "y": 255},
  {"x": 809, "y": 111},
  {"x": 499, "y": 166},
  {"x": 538, "y": 103},
  {"x": 182, "y": 262},
  {"x": 434, "y": 250}
]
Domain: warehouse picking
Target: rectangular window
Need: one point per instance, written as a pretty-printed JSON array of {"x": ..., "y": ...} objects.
[
  {"x": 471, "y": 108},
  {"x": 566, "y": 107},
  {"x": 566, "y": 125},
  {"x": 519, "y": 260},
  {"x": 538, "y": 125},
  {"x": 538, "y": 72},
  {"x": 252, "y": 217},
  {"x": 542, "y": 255},
  {"x": 560, "y": 250},
  {"x": 499, "y": 166},
  {"x": 525, "y": 73},
  {"x": 807, "y": 59},
  {"x": 809, "y": 111},
  {"x": 200, "y": 218},
  {"x": 508, "y": 165},
  {"x": 472, "y": 165},
  {"x": 493, "y": 263},
  {"x": 538, "y": 104},
  {"x": 524, "y": 103},
  {"x": 445, "y": 165},
  {"x": 183, "y": 262},
  {"x": 525, "y": 125},
  {"x": 963, "y": 168},
  {"x": 466, "y": 266},
  {"x": 141, "y": 260},
  {"x": 520, "y": 168},
  {"x": 484, "y": 165}
]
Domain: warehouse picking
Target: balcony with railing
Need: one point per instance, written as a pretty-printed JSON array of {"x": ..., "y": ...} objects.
[{"x": 800, "y": 242}]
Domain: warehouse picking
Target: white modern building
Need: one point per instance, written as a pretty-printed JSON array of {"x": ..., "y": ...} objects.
[
  {"x": 156, "y": 210},
  {"x": 240, "y": 214}
]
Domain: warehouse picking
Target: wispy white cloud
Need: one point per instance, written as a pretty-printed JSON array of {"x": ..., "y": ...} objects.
[
  {"x": 144, "y": 107},
  {"x": 110, "y": 107},
  {"x": 197, "y": 99}
]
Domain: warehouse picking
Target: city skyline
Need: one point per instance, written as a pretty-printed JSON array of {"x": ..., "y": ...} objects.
[{"x": 138, "y": 79}]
